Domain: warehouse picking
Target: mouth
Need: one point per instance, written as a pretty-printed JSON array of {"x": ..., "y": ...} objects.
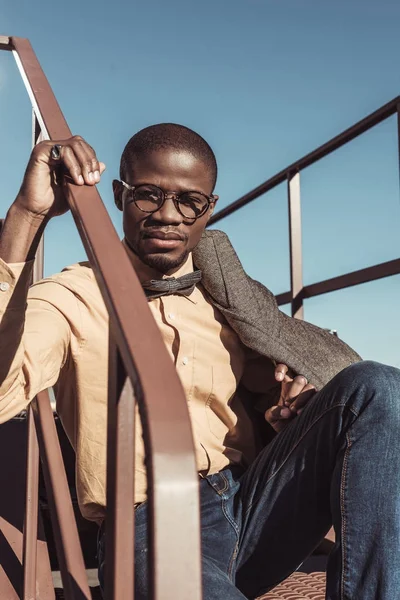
[{"x": 162, "y": 240}]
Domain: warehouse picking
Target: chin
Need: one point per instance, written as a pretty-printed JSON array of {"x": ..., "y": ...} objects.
[{"x": 163, "y": 261}]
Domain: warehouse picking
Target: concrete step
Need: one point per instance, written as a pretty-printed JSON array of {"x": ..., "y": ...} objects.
[{"x": 92, "y": 580}]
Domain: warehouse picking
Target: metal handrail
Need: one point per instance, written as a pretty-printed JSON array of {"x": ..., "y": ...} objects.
[
  {"x": 136, "y": 343},
  {"x": 334, "y": 284},
  {"x": 30, "y": 528},
  {"x": 291, "y": 174},
  {"x": 346, "y": 136},
  {"x": 175, "y": 528}
]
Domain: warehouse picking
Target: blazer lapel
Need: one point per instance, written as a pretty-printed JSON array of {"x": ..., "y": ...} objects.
[{"x": 232, "y": 291}]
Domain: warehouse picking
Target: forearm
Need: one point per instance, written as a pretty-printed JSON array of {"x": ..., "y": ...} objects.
[{"x": 20, "y": 235}]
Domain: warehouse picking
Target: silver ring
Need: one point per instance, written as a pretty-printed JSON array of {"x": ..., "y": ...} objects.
[{"x": 55, "y": 152}]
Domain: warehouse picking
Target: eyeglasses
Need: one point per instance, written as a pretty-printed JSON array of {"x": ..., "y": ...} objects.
[{"x": 149, "y": 198}]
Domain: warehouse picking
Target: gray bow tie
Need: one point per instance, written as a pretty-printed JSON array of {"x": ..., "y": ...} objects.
[{"x": 182, "y": 286}]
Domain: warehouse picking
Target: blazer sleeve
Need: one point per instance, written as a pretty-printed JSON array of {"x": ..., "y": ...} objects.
[{"x": 304, "y": 347}]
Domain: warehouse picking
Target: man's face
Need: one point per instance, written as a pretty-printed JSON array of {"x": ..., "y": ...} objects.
[{"x": 164, "y": 239}]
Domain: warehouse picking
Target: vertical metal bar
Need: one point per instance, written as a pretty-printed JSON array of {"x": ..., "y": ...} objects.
[
  {"x": 29, "y": 548},
  {"x": 120, "y": 520},
  {"x": 37, "y": 136},
  {"x": 296, "y": 262},
  {"x": 66, "y": 537},
  {"x": 39, "y": 261},
  {"x": 38, "y": 115},
  {"x": 30, "y": 533},
  {"x": 398, "y": 134}
]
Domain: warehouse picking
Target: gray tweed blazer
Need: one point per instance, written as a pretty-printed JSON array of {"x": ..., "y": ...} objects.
[{"x": 251, "y": 310}]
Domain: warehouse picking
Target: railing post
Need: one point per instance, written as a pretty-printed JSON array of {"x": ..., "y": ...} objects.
[
  {"x": 29, "y": 548},
  {"x": 30, "y": 533},
  {"x": 37, "y": 136},
  {"x": 66, "y": 537},
  {"x": 296, "y": 262},
  {"x": 120, "y": 522},
  {"x": 398, "y": 134}
]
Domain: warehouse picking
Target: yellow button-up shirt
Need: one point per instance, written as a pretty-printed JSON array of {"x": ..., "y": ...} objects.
[{"x": 60, "y": 339}]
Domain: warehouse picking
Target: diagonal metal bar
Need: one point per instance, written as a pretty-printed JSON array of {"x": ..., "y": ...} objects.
[
  {"x": 66, "y": 537},
  {"x": 173, "y": 482},
  {"x": 30, "y": 533}
]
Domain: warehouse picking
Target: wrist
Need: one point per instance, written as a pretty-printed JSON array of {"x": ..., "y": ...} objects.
[
  {"x": 18, "y": 210},
  {"x": 20, "y": 234}
]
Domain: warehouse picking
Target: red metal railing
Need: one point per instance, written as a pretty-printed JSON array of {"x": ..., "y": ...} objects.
[
  {"x": 291, "y": 174},
  {"x": 135, "y": 343},
  {"x": 175, "y": 532}
]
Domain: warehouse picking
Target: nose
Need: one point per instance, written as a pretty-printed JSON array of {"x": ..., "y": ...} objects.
[{"x": 168, "y": 213}]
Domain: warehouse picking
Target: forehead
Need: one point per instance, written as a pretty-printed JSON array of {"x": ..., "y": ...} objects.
[{"x": 171, "y": 169}]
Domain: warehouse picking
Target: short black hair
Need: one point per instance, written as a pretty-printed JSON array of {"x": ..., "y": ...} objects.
[{"x": 168, "y": 135}]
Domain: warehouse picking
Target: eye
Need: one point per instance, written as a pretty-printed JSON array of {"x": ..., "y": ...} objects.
[
  {"x": 192, "y": 204},
  {"x": 193, "y": 199},
  {"x": 148, "y": 194}
]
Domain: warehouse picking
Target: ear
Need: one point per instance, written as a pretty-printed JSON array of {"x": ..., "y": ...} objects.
[
  {"x": 118, "y": 189},
  {"x": 212, "y": 206}
]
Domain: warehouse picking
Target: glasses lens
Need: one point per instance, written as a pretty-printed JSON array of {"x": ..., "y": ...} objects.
[
  {"x": 192, "y": 205},
  {"x": 148, "y": 197}
]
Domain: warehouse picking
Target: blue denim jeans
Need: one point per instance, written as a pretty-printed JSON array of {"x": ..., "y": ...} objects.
[{"x": 338, "y": 462}]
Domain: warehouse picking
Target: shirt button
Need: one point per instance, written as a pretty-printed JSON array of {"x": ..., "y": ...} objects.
[
  {"x": 185, "y": 360},
  {"x": 4, "y": 286},
  {"x": 171, "y": 316}
]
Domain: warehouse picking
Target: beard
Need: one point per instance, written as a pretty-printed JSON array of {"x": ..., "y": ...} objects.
[
  {"x": 160, "y": 261},
  {"x": 164, "y": 263}
]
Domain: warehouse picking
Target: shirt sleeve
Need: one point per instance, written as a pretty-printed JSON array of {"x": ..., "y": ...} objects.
[{"x": 35, "y": 336}]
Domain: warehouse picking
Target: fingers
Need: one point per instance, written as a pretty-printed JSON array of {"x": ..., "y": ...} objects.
[
  {"x": 302, "y": 399},
  {"x": 280, "y": 412},
  {"x": 77, "y": 158},
  {"x": 280, "y": 372},
  {"x": 295, "y": 394},
  {"x": 291, "y": 389},
  {"x": 298, "y": 385},
  {"x": 278, "y": 417},
  {"x": 85, "y": 160},
  {"x": 71, "y": 165}
]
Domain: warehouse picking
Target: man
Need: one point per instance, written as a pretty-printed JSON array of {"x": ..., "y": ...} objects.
[{"x": 263, "y": 509}]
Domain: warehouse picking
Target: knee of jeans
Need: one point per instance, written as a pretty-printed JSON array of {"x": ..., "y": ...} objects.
[{"x": 380, "y": 383}]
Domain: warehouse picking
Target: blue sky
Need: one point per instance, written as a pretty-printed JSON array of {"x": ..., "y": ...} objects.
[{"x": 264, "y": 81}]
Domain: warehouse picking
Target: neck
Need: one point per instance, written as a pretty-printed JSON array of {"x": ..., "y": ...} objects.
[{"x": 145, "y": 272}]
